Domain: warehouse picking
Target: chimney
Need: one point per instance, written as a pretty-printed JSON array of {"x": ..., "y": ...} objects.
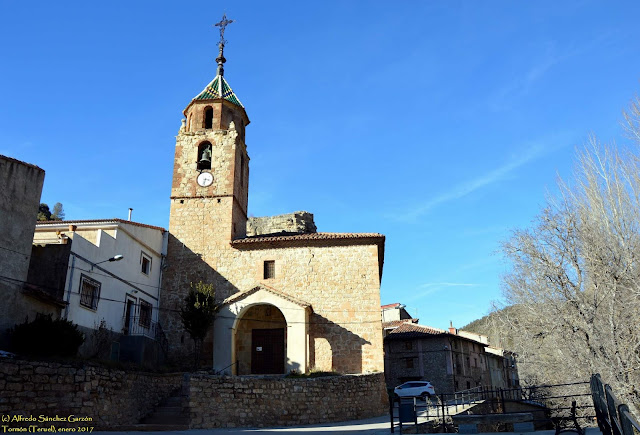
[
  {"x": 130, "y": 211},
  {"x": 452, "y": 330}
]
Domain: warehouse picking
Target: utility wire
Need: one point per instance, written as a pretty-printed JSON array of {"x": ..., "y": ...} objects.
[
  {"x": 159, "y": 287},
  {"x": 172, "y": 310}
]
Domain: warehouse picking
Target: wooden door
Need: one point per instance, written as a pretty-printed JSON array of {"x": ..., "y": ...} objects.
[{"x": 267, "y": 351}]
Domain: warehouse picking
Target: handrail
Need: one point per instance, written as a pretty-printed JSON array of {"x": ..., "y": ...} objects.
[{"x": 614, "y": 417}]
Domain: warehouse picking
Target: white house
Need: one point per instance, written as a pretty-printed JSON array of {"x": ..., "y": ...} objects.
[{"x": 113, "y": 278}]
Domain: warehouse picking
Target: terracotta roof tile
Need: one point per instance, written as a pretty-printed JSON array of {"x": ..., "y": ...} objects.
[
  {"x": 390, "y": 305},
  {"x": 96, "y": 221},
  {"x": 306, "y": 236},
  {"x": 396, "y": 323},
  {"x": 411, "y": 330}
]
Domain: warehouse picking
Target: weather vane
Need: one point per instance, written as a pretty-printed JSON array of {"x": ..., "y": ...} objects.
[{"x": 220, "y": 59}]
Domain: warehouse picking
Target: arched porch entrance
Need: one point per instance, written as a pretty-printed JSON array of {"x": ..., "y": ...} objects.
[
  {"x": 261, "y": 331},
  {"x": 261, "y": 341}
]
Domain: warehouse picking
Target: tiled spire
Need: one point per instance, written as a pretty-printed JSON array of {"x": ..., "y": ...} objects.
[{"x": 219, "y": 88}]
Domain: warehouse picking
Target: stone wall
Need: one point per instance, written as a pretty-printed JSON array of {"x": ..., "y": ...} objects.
[
  {"x": 115, "y": 399},
  {"x": 340, "y": 279},
  {"x": 108, "y": 397},
  {"x": 19, "y": 199},
  {"x": 297, "y": 222},
  {"x": 264, "y": 402}
]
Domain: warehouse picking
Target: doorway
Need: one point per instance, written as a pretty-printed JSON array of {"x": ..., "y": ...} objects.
[
  {"x": 267, "y": 351},
  {"x": 261, "y": 341}
]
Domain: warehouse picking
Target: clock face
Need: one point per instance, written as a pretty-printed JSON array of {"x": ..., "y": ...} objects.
[{"x": 205, "y": 179}]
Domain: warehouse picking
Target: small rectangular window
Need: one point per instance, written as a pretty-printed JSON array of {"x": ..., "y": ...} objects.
[
  {"x": 408, "y": 345},
  {"x": 89, "y": 292},
  {"x": 269, "y": 269},
  {"x": 145, "y": 263},
  {"x": 409, "y": 363},
  {"x": 145, "y": 314}
]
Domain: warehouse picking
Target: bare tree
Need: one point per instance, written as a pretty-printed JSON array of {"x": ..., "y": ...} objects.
[{"x": 574, "y": 284}]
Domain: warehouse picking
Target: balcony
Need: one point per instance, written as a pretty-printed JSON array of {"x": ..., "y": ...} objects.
[{"x": 141, "y": 326}]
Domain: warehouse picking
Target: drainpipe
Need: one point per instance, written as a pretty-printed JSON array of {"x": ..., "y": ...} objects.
[{"x": 73, "y": 262}]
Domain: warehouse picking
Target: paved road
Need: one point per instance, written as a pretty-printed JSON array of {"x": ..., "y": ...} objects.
[{"x": 372, "y": 426}]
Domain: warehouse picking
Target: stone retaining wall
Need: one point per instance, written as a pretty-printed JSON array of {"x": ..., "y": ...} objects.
[
  {"x": 245, "y": 401},
  {"x": 108, "y": 397}
]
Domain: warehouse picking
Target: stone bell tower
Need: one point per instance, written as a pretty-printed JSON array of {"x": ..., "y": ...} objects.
[{"x": 209, "y": 195}]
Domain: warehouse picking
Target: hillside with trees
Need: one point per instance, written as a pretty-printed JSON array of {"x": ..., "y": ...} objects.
[
  {"x": 45, "y": 214},
  {"x": 573, "y": 289}
]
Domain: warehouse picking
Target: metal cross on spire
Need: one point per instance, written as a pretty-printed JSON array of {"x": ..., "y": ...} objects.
[
  {"x": 222, "y": 24},
  {"x": 220, "y": 59}
]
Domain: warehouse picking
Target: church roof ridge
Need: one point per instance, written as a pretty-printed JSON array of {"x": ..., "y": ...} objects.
[
  {"x": 219, "y": 89},
  {"x": 306, "y": 236}
]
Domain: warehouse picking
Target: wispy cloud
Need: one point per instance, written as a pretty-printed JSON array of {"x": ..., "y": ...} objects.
[
  {"x": 503, "y": 97},
  {"x": 430, "y": 288},
  {"x": 470, "y": 186},
  {"x": 447, "y": 284}
]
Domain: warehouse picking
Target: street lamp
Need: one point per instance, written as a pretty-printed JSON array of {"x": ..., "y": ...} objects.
[{"x": 114, "y": 258}]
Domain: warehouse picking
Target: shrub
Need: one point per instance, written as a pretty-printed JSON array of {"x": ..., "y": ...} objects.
[{"x": 46, "y": 337}]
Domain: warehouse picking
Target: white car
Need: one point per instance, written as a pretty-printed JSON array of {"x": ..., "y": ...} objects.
[{"x": 422, "y": 389}]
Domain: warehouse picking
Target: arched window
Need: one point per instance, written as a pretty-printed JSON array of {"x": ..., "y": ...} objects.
[
  {"x": 204, "y": 156},
  {"x": 208, "y": 117}
]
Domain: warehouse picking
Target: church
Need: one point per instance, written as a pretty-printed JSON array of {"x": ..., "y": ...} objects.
[{"x": 292, "y": 299}]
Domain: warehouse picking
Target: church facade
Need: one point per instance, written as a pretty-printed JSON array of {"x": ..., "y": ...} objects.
[{"x": 291, "y": 298}]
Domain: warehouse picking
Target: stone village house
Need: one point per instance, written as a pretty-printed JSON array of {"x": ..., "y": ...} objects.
[{"x": 452, "y": 360}]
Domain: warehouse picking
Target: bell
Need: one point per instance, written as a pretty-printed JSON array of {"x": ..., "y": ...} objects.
[{"x": 206, "y": 156}]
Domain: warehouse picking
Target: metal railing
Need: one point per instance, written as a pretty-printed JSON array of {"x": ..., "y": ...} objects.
[
  {"x": 142, "y": 326},
  {"x": 551, "y": 405},
  {"x": 614, "y": 417}
]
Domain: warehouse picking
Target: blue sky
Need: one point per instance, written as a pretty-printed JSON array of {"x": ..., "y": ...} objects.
[{"x": 441, "y": 124}]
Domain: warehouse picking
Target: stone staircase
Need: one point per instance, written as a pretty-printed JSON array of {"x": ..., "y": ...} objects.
[{"x": 169, "y": 415}]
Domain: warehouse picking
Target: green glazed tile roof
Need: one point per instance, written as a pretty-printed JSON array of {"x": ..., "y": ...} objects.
[{"x": 219, "y": 88}]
